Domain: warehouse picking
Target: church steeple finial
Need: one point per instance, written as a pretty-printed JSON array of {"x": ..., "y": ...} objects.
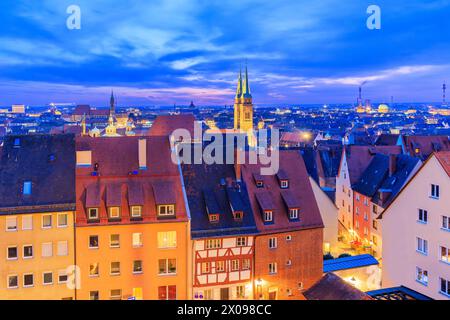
[
  {"x": 246, "y": 92},
  {"x": 112, "y": 104}
]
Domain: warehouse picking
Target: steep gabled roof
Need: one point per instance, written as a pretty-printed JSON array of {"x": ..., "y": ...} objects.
[
  {"x": 444, "y": 159},
  {"x": 165, "y": 125},
  {"x": 332, "y": 287},
  {"x": 291, "y": 163},
  {"x": 426, "y": 145}
]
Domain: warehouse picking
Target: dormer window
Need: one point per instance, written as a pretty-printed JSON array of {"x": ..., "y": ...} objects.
[
  {"x": 16, "y": 143},
  {"x": 214, "y": 218},
  {"x": 293, "y": 214},
  {"x": 166, "y": 210},
  {"x": 92, "y": 213},
  {"x": 238, "y": 215},
  {"x": 284, "y": 184},
  {"x": 136, "y": 211},
  {"x": 260, "y": 184},
  {"x": 27, "y": 188},
  {"x": 268, "y": 216},
  {"x": 114, "y": 212}
]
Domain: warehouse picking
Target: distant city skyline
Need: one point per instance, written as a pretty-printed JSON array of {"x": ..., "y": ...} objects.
[{"x": 172, "y": 52}]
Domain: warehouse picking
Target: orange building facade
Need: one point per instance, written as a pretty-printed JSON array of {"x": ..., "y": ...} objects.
[{"x": 132, "y": 229}]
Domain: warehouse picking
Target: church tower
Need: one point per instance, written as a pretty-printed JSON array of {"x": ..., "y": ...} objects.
[
  {"x": 111, "y": 130},
  {"x": 243, "y": 105}
]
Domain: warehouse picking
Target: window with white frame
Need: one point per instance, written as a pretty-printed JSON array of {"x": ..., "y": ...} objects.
[
  {"x": 27, "y": 222},
  {"x": 12, "y": 253},
  {"x": 28, "y": 280},
  {"x": 46, "y": 221},
  {"x": 11, "y": 224},
  {"x": 240, "y": 292},
  {"x": 293, "y": 214},
  {"x": 444, "y": 286},
  {"x": 422, "y": 246},
  {"x": 166, "y": 210},
  {"x": 62, "y": 276},
  {"x": 63, "y": 220},
  {"x": 13, "y": 281},
  {"x": 27, "y": 251},
  {"x": 213, "y": 244},
  {"x": 446, "y": 223},
  {"x": 246, "y": 264},
  {"x": 268, "y": 216},
  {"x": 435, "y": 191},
  {"x": 92, "y": 213},
  {"x": 272, "y": 268},
  {"x": 137, "y": 240},
  {"x": 114, "y": 241},
  {"x": 241, "y": 241},
  {"x": 220, "y": 266},
  {"x": 62, "y": 248},
  {"x": 284, "y": 184},
  {"x": 47, "y": 278},
  {"x": 115, "y": 268},
  {"x": 93, "y": 242},
  {"x": 167, "y": 266},
  {"x": 422, "y": 275},
  {"x": 444, "y": 254},
  {"x": 136, "y": 211},
  {"x": 47, "y": 249},
  {"x": 272, "y": 243},
  {"x": 137, "y": 266},
  {"x": 114, "y": 212},
  {"x": 423, "y": 216},
  {"x": 235, "y": 265},
  {"x": 167, "y": 240}
]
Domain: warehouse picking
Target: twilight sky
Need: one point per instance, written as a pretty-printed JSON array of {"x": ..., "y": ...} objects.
[{"x": 174, "y": 51}]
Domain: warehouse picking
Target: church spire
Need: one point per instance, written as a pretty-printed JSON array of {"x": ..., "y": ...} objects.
[
  {"x": 246, "y": 92},
  {"x": 112, "y": 105},
  {"x": 239, "y": 86}
]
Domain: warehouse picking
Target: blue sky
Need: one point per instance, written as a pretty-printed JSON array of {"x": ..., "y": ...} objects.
[{"x": 165, "y": 52}]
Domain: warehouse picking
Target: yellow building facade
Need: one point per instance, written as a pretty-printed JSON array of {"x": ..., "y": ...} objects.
[{"x": 37, "y": 256}]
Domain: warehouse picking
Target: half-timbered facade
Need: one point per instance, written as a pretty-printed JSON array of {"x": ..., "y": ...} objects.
[{"x": 222, "y": 231}]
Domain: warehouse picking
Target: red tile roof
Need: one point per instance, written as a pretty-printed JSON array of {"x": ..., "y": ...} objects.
[
  {"x": 166, "y": 124},
  {"x": 359, "y": 158},
  {"x": 444, "y": 159},
  {"x": 300, "y": 189}
]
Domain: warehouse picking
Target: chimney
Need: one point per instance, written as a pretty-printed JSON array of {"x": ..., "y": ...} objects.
[
  {"x": 142, "y": 153},
  {"x": 392, "y": 164},
  {"x": 238, "y": 163}
]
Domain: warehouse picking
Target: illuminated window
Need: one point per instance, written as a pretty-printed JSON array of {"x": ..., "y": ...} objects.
[
  {"x": 273, "y": 268},
  {"x": 94, "y": 295},
  {"x": 116, "y": 294},
  {"x": 136, "y": 211},
  {"x": 114, "y": 212},
  {"x": 93, "y": 269},
  {"x": 167, "y": 293},
  {"x": 206, "y": 267},
  {"x": 445, "y": 254},
  {"x": 115, "y": 268},
  {"x": 167, "y": 240},
  {"x": 137, "y": 240},
  {"x": 27, "y": 188},
  {"x": 220, "y": 266},
  {"x": 235, "y": 265},
  {"x": 213, "y": 244},
  {"x": 246, "y": 264},
  {"x": 240, "y": 292},
  {"x": 114, "y": 241}
]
